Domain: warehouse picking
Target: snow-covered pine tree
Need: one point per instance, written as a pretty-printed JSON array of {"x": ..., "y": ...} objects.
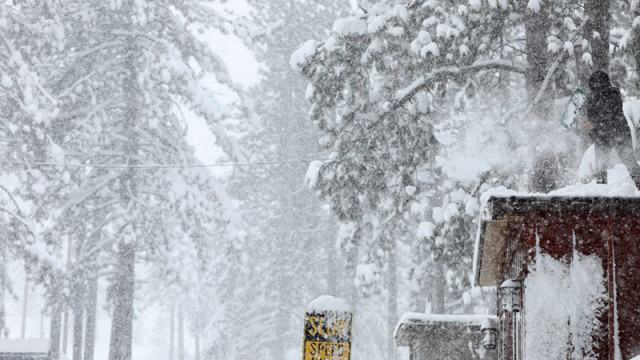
[
  {"x": 30, "y": 33},
  {"x": 361, "y": 79},
  {"x": 405, "y": 92},
  {"x": 196, "y": 269},
  {"x": 129, "y": 69},
  {"x": 623, "y": 41},
  {"x": 292, "y": 238}
]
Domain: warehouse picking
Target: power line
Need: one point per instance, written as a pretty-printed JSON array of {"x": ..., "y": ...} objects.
[{"x": 157, "y": 166}]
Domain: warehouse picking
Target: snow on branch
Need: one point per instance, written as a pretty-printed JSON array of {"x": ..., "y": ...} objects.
[
  {"x": 301, "y": 57},
  {"x": 547, "y": 78},
  {"x": 350, "y": 25},
  {"x": 406, "y": 94},
  {"x": 415, "y": 4},
  {"x": 543, "y": 88},
  {"x": 30, "y": 226},
  {"x": 12, "y": 198}
]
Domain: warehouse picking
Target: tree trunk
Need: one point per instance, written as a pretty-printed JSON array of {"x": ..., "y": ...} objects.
[
  {"x": 197, "y": 341},
  {"x": 536, "y": 32},
  {"x": 122, "y": 321},
  {"x": 25, "y": 302},
  {"x": 2, "y": 290},
  {"x": 282, "y": 307},
  {"x": 420, "y": 295},
  {"x": 90, "y": 326},
  {"x": 333, "y": 282},
  {"x": 635, "y": 43},
  {"x": 172, "y": 331},
  {"x": 352, "y": 268},
  {"x": 596, "y": 31},
  {"x": 420, "y": 298},
  {"x": 543, "y": 177},
  {"x": 392, "y": 300},
  {"x": 546, "y": 173},
  {"x": 65, "y": 330},
  {"x": 180, "y": 335},
  {"x": 54, "y": 332},
  {"x": 65, "y": 326},
  {"x": 78, "y": 319},
  {"x": 438, "y": 291}
]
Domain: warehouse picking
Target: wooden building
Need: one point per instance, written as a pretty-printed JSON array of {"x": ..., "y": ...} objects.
[{"x": 568, "y": 273}]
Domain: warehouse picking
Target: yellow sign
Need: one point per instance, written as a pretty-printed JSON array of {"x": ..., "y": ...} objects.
[
  {"x": 320, "y": 350},
  {"x": 327, "y": 336}
]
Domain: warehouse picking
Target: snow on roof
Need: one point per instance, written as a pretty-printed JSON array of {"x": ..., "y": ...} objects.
[
  {"x": 620, "y": 185},
  {"x": 476, "y": 320},
  {"x": 614, "y": 189},
  {"x": 410, "y": 322},
  {"x": 328, "y": 303},
  {"x": 24, "y": 346},
  {"x": 570, "y": 196},
  {"x": 620, "y": 190}
]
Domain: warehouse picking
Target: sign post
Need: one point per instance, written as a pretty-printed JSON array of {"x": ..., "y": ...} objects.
[{"x": 327, "y": 330}]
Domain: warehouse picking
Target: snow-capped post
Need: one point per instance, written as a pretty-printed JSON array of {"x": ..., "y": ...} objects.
[{"x": 327, "y": 329}]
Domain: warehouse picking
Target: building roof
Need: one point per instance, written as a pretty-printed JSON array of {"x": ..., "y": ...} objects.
[
  {"x": 24, "y": 346},
  {"x": 414, "y": 325},
  {"x": 499, "y": 211}
]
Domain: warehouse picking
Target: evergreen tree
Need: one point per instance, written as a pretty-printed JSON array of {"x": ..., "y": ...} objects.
[
  {"x": 398, "y": 93},
  {"x": 291, "y": 238},
  {"x": 128, "y": 71}
]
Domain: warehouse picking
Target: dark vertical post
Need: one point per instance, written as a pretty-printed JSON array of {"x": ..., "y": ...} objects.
[
  {"x": 90, "y": 326},
  {"x": 596, "y": 31},
  {"x": 536, "y": 30},
  {"x": 56, "y": 324},
  {"x": 78, "y": 318},
  {"x": 392, "y": 299},
  {"x": 122, "y": 324},
  {"x": 439, "y": 287},
  {"x": 544, "y": 176},
  {"x": 2, "y": 287},
  {"x": 611, "y": 290}
]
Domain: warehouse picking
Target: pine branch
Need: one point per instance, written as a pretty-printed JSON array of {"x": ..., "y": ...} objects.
[
  {"x": 30, "y": 227},
  {"x": 407, "y": 94}
]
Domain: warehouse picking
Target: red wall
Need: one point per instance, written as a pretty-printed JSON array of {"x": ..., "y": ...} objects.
[{"x": 606, "y": 227}]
